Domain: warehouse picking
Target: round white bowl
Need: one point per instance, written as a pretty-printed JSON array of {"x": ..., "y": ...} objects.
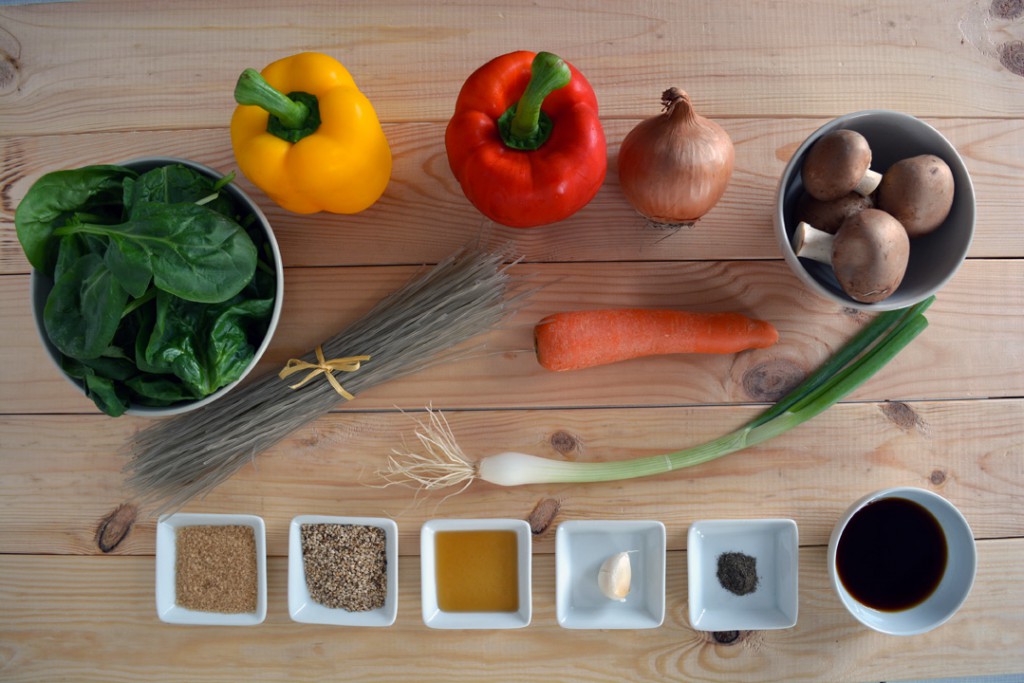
[
  {"x": 953, "y": 588},
  {"x": 41, "y": 284},
  {"x": 934, "y": 258}
]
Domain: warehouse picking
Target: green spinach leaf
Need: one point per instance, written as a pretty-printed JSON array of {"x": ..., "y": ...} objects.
[
  {"x": 56, "y": 197},
  {"x": 231, "y": 336},
  {"x": 207, "y": 347},
  {"x": 171, "y": 347},
  {"x": 192, "y": 252},
  {"x": 115, "y": 366},
  {"x": 178, "y": 184},
  {"x": 103, "y": 391},
  {"x": 83, "y": 310},
  {"x": 130, "y": 265},
  {"x": 159, "y": 390}
]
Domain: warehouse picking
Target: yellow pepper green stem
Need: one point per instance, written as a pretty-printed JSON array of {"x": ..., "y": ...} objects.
[
  {"x": 524, "y": 126},
  {"x": 292, "y": 116}
]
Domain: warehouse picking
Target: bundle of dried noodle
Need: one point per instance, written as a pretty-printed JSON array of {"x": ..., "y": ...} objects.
[{"x": 417, "y": 326}]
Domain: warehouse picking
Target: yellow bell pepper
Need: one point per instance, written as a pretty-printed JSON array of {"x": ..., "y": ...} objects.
[{"x": 305, "y": 135}]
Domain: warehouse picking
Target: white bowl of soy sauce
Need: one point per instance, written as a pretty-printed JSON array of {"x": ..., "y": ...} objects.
[{"x": 902, "y": 560}]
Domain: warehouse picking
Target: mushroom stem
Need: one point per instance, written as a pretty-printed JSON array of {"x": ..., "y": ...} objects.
[
  {"x": 809, "y": 242},
  {"x": 869, "y": 183}
]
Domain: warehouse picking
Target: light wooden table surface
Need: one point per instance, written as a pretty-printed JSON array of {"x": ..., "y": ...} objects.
[{"x": 98, "y": 82}]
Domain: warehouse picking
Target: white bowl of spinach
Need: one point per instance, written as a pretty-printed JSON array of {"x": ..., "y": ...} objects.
[{"x": 156, "y": 284}]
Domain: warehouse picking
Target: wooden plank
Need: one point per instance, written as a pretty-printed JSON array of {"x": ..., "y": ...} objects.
[
  {"x": 963, "y": 354},
  {"x": 411, "y": 59},
  {"x": 425, "y": 216},
  {"x": 56, "y": 607},
  {"x": 62, "y": 474},
  {"x": 89, "y": 82}
]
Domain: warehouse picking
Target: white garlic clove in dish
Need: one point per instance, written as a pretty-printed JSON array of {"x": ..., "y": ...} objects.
[{"x": 615, "y": 576}]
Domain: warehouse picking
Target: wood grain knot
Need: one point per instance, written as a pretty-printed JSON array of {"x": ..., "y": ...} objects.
[
  {"x": 564, "y": 442},
  {"x": 726, "y": 637},
  {"x": 115, "y": 527},
  {"x": 8, "y": 72},
  {"x": 902, "y": 415},
  {"x": 1007, "y": 9},
  {"x": 543, "y": 515},
  {"x": 937, "y": 478},
  {"x": 786, "y": 152},
  {"x": 769, "y": 381},
  {"x": 855, "y": 313},
  {"x": 10, "y": 54},
  {"x": 1011, "y": 56}
]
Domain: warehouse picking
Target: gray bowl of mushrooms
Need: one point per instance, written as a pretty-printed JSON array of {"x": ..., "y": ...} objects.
[{"x": 875, "y": 211}]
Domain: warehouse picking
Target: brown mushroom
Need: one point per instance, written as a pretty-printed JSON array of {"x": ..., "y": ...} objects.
[
  {"x": 837, "y": 164},
  {"x": 869, "y": 253},
  {"x": 828, "y": 216},
  {"x": 918, "y": 192}
]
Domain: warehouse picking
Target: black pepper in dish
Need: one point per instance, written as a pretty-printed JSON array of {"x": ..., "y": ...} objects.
[
  {"x": 345, "y": 565},
  {"x": 737, "y": 572}
]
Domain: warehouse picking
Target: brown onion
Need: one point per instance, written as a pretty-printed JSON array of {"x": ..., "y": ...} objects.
[{"x": 675, "y": 166}]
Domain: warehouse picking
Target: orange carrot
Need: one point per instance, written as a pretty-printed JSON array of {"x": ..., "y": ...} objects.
[{"x": 584, "y": 339}]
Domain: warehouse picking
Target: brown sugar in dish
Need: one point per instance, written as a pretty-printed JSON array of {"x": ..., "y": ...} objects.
[
  {"x": 345, "y": 565},
  {"x": 215, "y": 568}
]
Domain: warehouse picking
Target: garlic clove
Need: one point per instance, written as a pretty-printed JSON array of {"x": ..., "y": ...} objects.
[{"x": 615, "y": 576}]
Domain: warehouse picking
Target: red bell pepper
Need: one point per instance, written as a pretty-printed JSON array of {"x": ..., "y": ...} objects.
[{"x": 525, "y": 141}]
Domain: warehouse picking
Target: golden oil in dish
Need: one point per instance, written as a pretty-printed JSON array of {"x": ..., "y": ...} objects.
[{"x": 477, "y": 571}]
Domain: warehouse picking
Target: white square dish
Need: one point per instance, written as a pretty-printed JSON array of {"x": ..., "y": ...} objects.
[
  {"x": 167, "y": 606},
  {"x": 435, "y": 617},
  {"x": 301, "y": 605},
  {"x": 772, "y": 604},
  {"x": 581, "y": 547}
]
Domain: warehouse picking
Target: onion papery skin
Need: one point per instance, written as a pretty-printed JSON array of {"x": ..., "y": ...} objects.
[{"x": 674, "y": 167}]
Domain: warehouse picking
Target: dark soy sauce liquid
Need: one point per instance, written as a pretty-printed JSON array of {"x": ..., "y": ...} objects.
[{"x": 892, "y": 554}]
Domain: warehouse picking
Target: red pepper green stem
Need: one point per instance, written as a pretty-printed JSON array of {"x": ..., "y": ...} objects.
[
  {"x": 292, "y": 116},
  {"x": 524, "y": 126}
]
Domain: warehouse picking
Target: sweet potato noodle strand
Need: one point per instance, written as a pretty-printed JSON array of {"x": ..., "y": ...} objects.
[{"x": 421, "y": 324}]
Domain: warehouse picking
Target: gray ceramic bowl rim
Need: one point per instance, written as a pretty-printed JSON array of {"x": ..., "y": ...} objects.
[
  {"x": 964, "y": 191},
  {"x": 40, "y": 285}
]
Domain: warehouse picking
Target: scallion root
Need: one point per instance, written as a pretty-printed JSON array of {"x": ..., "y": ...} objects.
[{"x": 442, "y": 463}]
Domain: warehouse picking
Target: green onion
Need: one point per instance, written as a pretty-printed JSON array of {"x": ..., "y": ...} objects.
[{"x": 444, "y": 463}]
